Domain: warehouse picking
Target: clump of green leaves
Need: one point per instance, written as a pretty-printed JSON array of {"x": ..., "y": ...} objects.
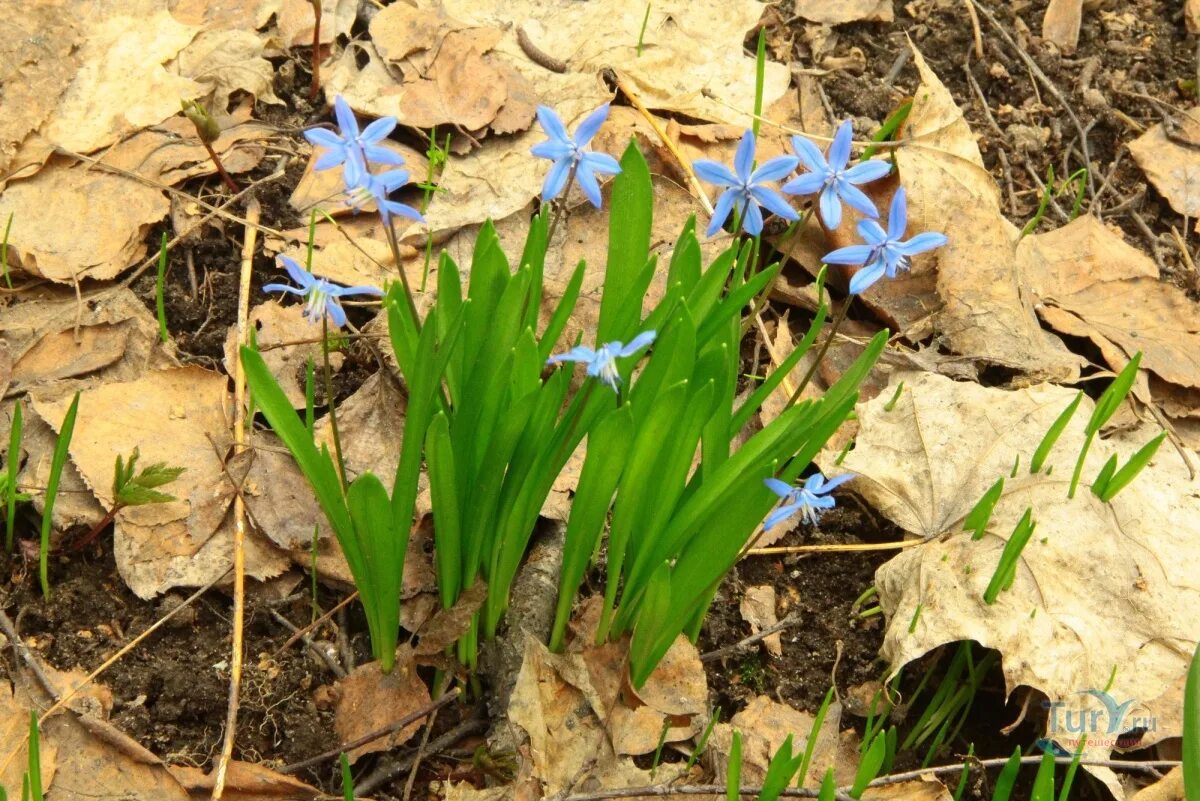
[{"x": 133, "y": 487}]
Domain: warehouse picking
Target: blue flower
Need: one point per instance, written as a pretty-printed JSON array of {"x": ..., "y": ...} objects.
[
  {"x": 377, "y": 188},
  {"x": 602, "y": 363},
  {"x": 884, "y": 251},
  {"x": 568, "y": 153},
  {"x": 320, "y": 295},
  {"x": 352, "y": 148},
  {"x": 746, "y": 190},
  {"x": 812, "y": 499},
  {"x": 831, "y": 178}
]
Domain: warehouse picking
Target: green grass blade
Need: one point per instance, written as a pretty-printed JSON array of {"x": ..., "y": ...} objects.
[
  {"x": 1129, "y": 472},
  {"x": 1006, "y": 570},
  {"x": 981, "y": 514},
  {"x": 347, "y": 778},
  {"x": 57, "y": 463},
  {"x": 384, "y": 540},
  {"x": 1069, "y": 779},
  {"x": 15, "y": 432},
  {"x": 1052, "y": 435},
  {"x": 733, "y": 772},
  {"x": 811, "y": 744},
  {"x": 1043, "y": 782},
  {"x": 869, "y": 766},
  {"x": 1191, "y": 730},
  {"x": 159, "y": 286},
  {"x": 1007, "y": 777}
]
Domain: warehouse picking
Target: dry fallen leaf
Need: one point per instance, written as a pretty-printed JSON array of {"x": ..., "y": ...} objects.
[
  {"x": 987, "y": 313},
  {"x": 758, "y": 609},
  {"x": 1172, "y": 167},
  {"x": 244, "y": 781},
  {"x": 1061, "y": 24},
  {"x": 294, "y": 22},
  {"x": 369, "y": 700},
  {"x": 1095, "y": 584},
  {"x": 764, "y": 725},
  {"x": 845, "y": 11},
  {"x": 228, "y": 61},
  {"x": 14, "y": 749}
]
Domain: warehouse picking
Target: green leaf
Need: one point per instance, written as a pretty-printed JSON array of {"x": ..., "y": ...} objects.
[
  {"x": 562, "y": 313},
  {"x": 1104, "y": 476},
  {"x": 1135, "y": 465},
  {"x": 1007, "y": 777},
  {"x": 686, "y": 260},
  {"x": 447, "y": 520},
  {"x": 868, "y": 767},
  {"x": 780, "y": 771},
  {"x": 15, "y": 432},
  {"x": 1006, "y": 570},
  {"x": 1052, "y": 435},
  {"x": 733, "y": 771},
  {"x": 813, "y": 734},
  {"x": 628, "y": 238},
  {"x": 828, "y": 790},
  {"x": 57, "y": 462},
  {"x": 644, "y": 648},
  {"x": 1043, "y": 782},
  {"x": 979, "y": 516},
  {"x": 534, "y": 258},
  {"x": 35, "y": 757},
  {"x": 1191, "y": 730},
  {"x": 384, "y": 539}
]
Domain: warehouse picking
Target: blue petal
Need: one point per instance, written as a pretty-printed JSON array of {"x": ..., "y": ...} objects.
[
  {"x": 831, "y": 207},
  {"x": 588, "y": 183},
  {"x": 377, "y": 130},
  {"x": 342, "y": 291},
  {"x": 324, "y": 138},
  {"x": 714, "y": 172},
  {"x": 775, "y": 169},
  {"x": 552, "y": 124},
  {"x": 773, "y": 202},
  {"x": 867, "y": 171},
  {"x": 812, "y": 485},
  {"x": 345, "y": 118},
  {"x": 404, "y": 211},
  {"x": 810, "y": 155},
  {"x": 898, "y": 214},
  {"x": 851, "y": 254},
  {"x": 864, "y": 278},
  {"x": 330, "y": 159},
  {"x": 579, "y": 353},
  {"x": 721, "y": 212},
  {"x": 856, "y": 199},
  {"x": 822, "y": 502},
  {"x": 806, "y": 184},
  {"x": 382, "y": 155},
  {"x": 392, "y": 179},
  {"x": 780, "y": 514},
  {"x": 601, "y": 163},
  {"x": 552, "y": 150},
  {"x": 640, "y": 341},
  {"x": 836, "y": 482},
  {"x": 297, "y": 273},
  {"x": 921, "y": 243},
  {"x": 871, "y": 231},
  {"x": 752, "y": 222},
  {"x": 282, "y": 288},
  {"x": 743, "y": 159},
  {"x": 355, "y": 174},
  {"x": 556, "y": 179},
  {"x": 335, "y": 312},
  {"x": 590, "y": 126},
  {"x": 839, "y": 151},
  {"x": 778, "y": 487}
]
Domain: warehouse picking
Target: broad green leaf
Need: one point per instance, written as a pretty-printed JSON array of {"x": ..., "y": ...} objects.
[
  {"x": 1008, "y": 777},
  {"x": 628, "y": 238},
  {"x": 1130, "y": 470},
  {"x": 1191, "y": 730},
  {"x": 644, "y": 653},
  {"x": 447, "y": 518},
  {"x": 384, "y": 539}
]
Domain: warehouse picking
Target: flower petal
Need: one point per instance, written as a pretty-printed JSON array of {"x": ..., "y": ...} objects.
[
  {"x": 780, "y": 514},
  {"x": 807, "y": 184},
  {"x": 836, "y": 482},
  {"x": 342, "y": 291},
  {"x": 552, "y": 124},
  {"x": 752, "y": 221},
  {"x": 775, "y": 169},
  {"x": 872, "y": 232},
  {"x": 714, "y": 172},
  {"x": 337, "y": 314},
  {"x": 579, "y": 353},
  {"x": 640, "y": 341},
  {"x": 864, "y": 278},
  {"x": 322, "y": 137},
  {"x": 602, "y": 163},
  {"x": 382, "y": 155},
  {"x": 297, "y": 273},
  {"x": 345, "y": 118},
  {"x": 856, "y": 199},
  {"x": 743, "y": 159},
  {"x": 810, "y": 155},
  {"x": 778, "y": 487},
  {"x": 282, "y": 288},
  {"x": 404, "y": 211},
  {"x": 330, "y": 159},
  {"x": 377, "y": 130},
  {"x": 867, "y": 171},
  {"x": 839, "y": 150},
  {"x": 774, "y": 203},
  {"x": 721, "y": 211},
  {"x": 552, "y": 150},
  {"x": 590, "y": 126},
  {"x": 556, "y": 179},
  {"x": 898, "y": 214},
  {"x": 851, "y": 254},
  {"x": 921, "y": 243},
  {"x": 831, "y": 207},
  {"x": 588, "y": 183}
]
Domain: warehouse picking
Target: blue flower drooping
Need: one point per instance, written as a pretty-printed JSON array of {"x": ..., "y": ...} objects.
[
  {"x": 602, "y": 363},
  {"x": 321, "y": 296},
  {"x": 810, "y": 499}
]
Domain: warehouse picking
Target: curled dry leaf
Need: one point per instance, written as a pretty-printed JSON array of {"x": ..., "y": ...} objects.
[{"x": 1096, "y": 582}]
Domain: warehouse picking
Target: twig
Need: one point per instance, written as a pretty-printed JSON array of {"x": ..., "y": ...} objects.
[
  {"x": 333, "y": 666},
  {"x": 391, "y": 728},
  {"x": 1049, "y": 86},
  {"x": 390, "y": 770},
  {"x": 319, "y": 621},
  {"x": 412, "y": 773},
  {"x": 22, "y": 651},
  {"x": 249, "y": 245},
  {"x": 1151, "y": 239},
  {"x": 976, "y": 34},
  {"x": 776, "y": 550},
  {"x": 744, "y": 644},
  {"x": 537, "y": 55}
]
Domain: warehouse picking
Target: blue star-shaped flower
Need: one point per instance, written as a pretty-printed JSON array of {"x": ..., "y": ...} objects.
[
  {"x": 377, "y": 188},
  {"x": 353, "y": 148},
  {"x": 831, "y": 178},
  {"x": 602, "y": 363},
  {"x": 746, "y": 190},
  {"x": 884, "y": 251},
  {"x": 321, "y": 296},
  {"x": 812, "y": 499},
  {"x": 569, "y": 153}
]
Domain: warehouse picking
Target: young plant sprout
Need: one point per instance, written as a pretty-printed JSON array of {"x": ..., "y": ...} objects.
[
  {"x": 747, "y": 192},
  {"x": 829, "y": 176},
  {"x": 208, "y": 130},
  {"x": 130, "y": 489},
  {"x": 320, "y": 296},
  {"x": 602, "y": 363},
  {"x": 812, "y": 499}
]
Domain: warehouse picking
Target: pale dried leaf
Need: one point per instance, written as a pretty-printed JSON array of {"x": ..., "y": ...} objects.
[
  {"x": 294, "y": 23},
  {"x": 764, "y": 725},
  {"x": 369, "y": 700},
  {"x": 370, "y": 437},
  {"x": 245, "y": 781},
  {"x": 1172, "y": 167},
  {"x": 925, "y": 464},
  {"x": 845, "y": 11},
  {"x": 228, "y": 61},
  {"x": 14, "y": 753},
  {"x": 757, "y": 608},
  {"x": 1061, "y": 22},
  {"x": 235, "y": 14},
  {"x": 925, "y": 789}
]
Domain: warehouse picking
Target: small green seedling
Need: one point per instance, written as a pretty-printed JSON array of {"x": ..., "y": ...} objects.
[
  {"x": 1052, "y": 435},
  {"x": 874, "y": 755},
  {"x": 888, "y": 131},
  {"x": 642, "y": 32},
  {"x": 57, "y": 463},
  {"x": 979, "y": 516},
  {"x": 713, "y": 720},
  {"x": 1111, "y": 480},
  {"x": 733, "y": 772},
  {"x": 891, "y": 404},
  {"x": 1006, "y": 571},
  {"x": 208, "y": 130},
  {"x": 966, "y": 773},
  {"x": 951, "y": 702},
  {"x": 8, "y": 480},
  {"x": 347, "y": 778},
  {"x": 159, "y": 286},
  {"x": 1106, "y": 407},
  {"x": 813, "y": 734},
  {"x": 132, "y": 487}
]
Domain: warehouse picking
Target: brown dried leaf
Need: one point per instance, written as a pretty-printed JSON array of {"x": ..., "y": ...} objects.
[
  {"x": 1172, "y": 167},
  {"x": 758, "y": 609},
  {"x": 447, "y": 625},
  {"x": 228, "y": 61},
  {"x": 245, "y": 781},
  {"x": 370, "y": 700},
  {"x": 845, "y": 11},
  {"x": 294, "y": 23},
  {"x": 764, "y": 725},
  {"x": 1061, "y": 24},
  {"x": 277, "y": 326},
  {"x": 14, "y": 751}
]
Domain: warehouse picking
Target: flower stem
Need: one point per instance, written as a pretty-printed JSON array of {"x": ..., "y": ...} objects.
[
  {"x": 329, "y": 398},
  {"x": 837, "y": 322},
  {"x": 225, "y": 176},
  {"x": 561, "y": 205},
  {"x": 316, "y": 51},
  {"x": 390, "y": 228}
]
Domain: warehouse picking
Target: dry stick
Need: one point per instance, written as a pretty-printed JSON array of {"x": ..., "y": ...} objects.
[
  {"x": 316, "y": 51},
  {"x": 22, "y": 650},
  {"x": 386, "y": 772},
  {"x": 324, "y": 656},
  {"x": 1050, "y": 87},
  {"x": 412, "y": 773},
  {"x": 253, "y": 212},
  {"x": 851, "y": 548},
  {"x": 319, "y": 621},
  {"x": 391, "y": 728},
  {"x": 976, "y": 34},
  {"x": 684, "y": 164},
  {"x": 743, "y": 644}
]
